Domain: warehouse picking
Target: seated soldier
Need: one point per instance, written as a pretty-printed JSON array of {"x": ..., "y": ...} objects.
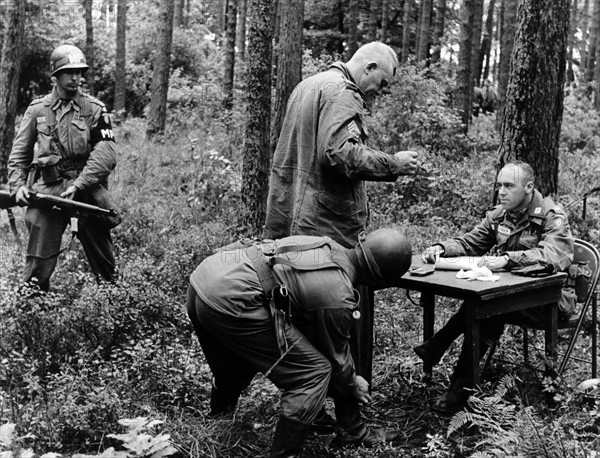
[
  {"x": 285, "y": 308},
  {"x": 524, "y": 230}
]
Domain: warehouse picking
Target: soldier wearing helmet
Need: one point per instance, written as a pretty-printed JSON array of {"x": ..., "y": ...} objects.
[
  {"x": 285, "y": 308},
  {"x": 65, "y": 147}
]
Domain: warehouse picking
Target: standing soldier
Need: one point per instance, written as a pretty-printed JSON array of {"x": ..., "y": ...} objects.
[
  {"x": 322, "y": 162},
  {"x": 65, "y": 147}
]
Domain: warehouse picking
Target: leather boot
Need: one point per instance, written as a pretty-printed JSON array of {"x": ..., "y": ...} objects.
[
  {"x": 289, "y": 438},
  {"x": 363, "y": 436},
  {"x": 222, "y": 404},
  {"x": 324, "y": 423},
  {"x": 433, "y": 349}
]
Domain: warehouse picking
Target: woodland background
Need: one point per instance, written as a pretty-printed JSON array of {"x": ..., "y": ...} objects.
[{"x": 197, "y": 90}]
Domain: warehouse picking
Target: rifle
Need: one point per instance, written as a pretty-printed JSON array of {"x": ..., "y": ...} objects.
[{"x": 37, "y": 199}]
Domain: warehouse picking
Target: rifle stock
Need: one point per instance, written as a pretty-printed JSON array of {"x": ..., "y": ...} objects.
[{"x": 45, "y": 200}]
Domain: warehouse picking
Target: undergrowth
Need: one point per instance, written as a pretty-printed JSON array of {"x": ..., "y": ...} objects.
[{"x": 77, "y": 363}]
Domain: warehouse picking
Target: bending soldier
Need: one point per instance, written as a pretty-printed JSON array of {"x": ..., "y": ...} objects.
[
  {"x": 76, "y": 152},
  {"x": 299, "y": 338}
]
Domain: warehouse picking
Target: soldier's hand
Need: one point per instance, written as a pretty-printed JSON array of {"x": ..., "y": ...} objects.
[
  {"x": 69, "y": 193},
  {"x": 494, "y": 262},
  {"x": 361, "y": 390},
  {"x": 408, "y": 161},
  {"x": 22, "y": 196},
  {"x": 432, "y": 254}
]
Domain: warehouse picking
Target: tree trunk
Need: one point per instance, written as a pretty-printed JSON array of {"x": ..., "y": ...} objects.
[
  {"x": 119, "y": 106},
  {"x": 289, "y": 68},
  {"x": 188, "y": 11},
  {"x": 241, "y": 31},
  {"x": 572, "y": 41},
  {"x": 10, "y": 70},
  {"x": 425, "y": 22},
  {"x": 476, "y": 44},
  {"x": 585, "y": 16},
  {"x": 255, "y": 171},
  {"x": 534, "y": 97},
  {"x": 385, "y": 19},
  {"x": 405, "y": 31},
  {"x": 157, "y": 115},
  {"x": 438, "y": 31},
  {"x": 593, "y": 44},
  {"x": 352, "y": 22},
  {"x": 374, "y": 17},
  {"x": 178, "y": 13},
  {"x": 464, "y": 82},
  {"x": 89, "y": 44},
  {"x": 486, "y": 42},
  {"x": 229, "y": 63},
  {"x": 508, "y": 13}
]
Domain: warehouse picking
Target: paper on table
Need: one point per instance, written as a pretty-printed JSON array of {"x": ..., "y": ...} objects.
[
  {"x": 478, "y": 273},
  {"x": 457, "y": 263}
]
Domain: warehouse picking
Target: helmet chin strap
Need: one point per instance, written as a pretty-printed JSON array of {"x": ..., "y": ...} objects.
[{"x": 368, "y": 270}]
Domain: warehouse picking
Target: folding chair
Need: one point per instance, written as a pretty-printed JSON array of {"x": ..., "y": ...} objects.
[{"x": 587, "y": 294}]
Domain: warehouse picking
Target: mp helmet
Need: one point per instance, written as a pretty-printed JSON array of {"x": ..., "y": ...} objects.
[
  {"x": 67, "y": 57},
  {"x": 384, "y": 256}
]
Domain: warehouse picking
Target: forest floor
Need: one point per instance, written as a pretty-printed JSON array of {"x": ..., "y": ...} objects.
[{"x": 92, "y": 355}]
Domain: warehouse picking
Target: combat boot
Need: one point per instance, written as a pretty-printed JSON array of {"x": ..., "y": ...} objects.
[
  {"x": 289, "y": 438},
  {"x": 363, "y": 436}
]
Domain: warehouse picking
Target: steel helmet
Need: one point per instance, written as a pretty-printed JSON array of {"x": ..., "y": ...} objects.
[
  {"x": 384, "y": 256},
  {"x": 66, "y": 57}
]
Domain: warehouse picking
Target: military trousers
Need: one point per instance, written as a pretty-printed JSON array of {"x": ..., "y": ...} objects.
[
  {"x": 46, "y": 227},
  {"x": 237, "y": 348}
]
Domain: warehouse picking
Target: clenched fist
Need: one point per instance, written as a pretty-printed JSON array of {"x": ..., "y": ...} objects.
[{"x": 408, "y": 160}]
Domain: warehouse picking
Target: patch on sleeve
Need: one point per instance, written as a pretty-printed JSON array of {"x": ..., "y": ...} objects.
[
  {"x": 102, "y": 132},
  {"x": 353, "y": 129},
  {"x": 559, "y": 221}
]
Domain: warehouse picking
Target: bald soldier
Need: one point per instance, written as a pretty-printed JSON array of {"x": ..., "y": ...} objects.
[{"x": 321, "y": 163}]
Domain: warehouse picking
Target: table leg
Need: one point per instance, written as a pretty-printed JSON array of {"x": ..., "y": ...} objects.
[
  {"x": 472, "y": 342},
  {"x": 551, "y": 336},
  {"x": 428, "y": 304}
]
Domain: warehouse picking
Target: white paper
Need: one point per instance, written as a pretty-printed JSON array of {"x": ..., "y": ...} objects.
[{"x": 457, "y": 263}]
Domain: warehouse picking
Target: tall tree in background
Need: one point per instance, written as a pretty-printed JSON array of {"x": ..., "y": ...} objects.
[
  {"x": 424, "y": 30},
  {"x": 255, "y": 168},
  {"x": 157, "y": 115},
  {"x": 289, "y": 61},
  {"x": 241, "y": 31},
  {"x": 120, "y": 60},
  {"x": 10, "y": 70},
  {"x": 534, "y": 97},
  {"x": 229, "y": 64},
  {"x": 572, "y": 42},
  {"x": 405, "y": 30},
  {"x": 438, "y": 31},
  {"x": 464, "y": 81},
  {"x": 585, "y": 18},
  {"x": 486, "y": 42},
  {"x": 178, "y": 13},
  {"x": 374, "y": 18},
  {"x": 89, "y": 43},
  {"x": 593, "y": 42},
  {"x": 508, "y": 14},
  {"x": 476, "y": 43},
  {"x": 385, "y": 19},
  {"x": 352, "y": 21}
]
